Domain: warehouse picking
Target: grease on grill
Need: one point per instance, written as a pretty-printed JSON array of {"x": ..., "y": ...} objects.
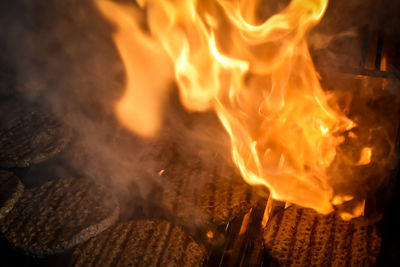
[
  {"x": 29, "y": 134},
  {"x": 59, "y": 215},
  {"x": 301, "y": 237},
  {"x": 11, "y": 190},
  {"x": 140, "y": 243}
]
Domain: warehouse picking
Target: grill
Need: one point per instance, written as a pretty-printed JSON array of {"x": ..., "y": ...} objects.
[
  {"x": 239, "y": 242},
  {"x": 243, "y": 246}
]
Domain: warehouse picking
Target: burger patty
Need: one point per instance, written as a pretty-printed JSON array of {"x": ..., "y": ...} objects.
[
  {"x": 29, "y": 134},
  {"x": 202, "y": 194},
  {"x": 140, "y": 243},
  {"x": 301, "y": 237},
  {"x": 59, "y": 215},
  {"x": 11, "y": 189}
]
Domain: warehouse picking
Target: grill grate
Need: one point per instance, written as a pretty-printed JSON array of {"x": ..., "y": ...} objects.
[{"x": 243, "y": 244}]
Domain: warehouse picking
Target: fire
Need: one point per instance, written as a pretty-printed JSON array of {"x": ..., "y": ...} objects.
[
  {"x": 140, "y": 107},
  {"x": 257, "y": 75},
  {"x": 366, "y": 154}
]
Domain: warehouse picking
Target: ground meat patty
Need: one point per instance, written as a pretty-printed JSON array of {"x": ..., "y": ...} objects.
[
  {"x": 58, "y": 215},
  {"x": 140, "y": 243},
  {"x": 29, "y": 134},
  {"x": 198, "y": 193},
  {"x": 301, "y": 237},
  {"x": 11, "y": 190}
]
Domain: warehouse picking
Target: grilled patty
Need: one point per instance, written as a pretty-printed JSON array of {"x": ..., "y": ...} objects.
[
  {"x": 198, "y": 193},
  {"x": 140, "y": 243},
  {"x": 301, "y": 237},
  {"x": 59, "y": 215},
  {"x": 29, "y": 134},
  {"x": 11, "y": 190}
]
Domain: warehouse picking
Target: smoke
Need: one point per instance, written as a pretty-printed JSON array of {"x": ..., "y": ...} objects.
[
  {"x": 344, "y": 49},
  {"x": 61, "y": 54}
]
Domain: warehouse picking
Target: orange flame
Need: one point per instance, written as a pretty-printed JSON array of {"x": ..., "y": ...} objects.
[
  {"x": 258, "y": 77},
  {"x": 140, "y": 107}
]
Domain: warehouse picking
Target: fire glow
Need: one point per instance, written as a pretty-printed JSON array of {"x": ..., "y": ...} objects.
[{"x": 258, "y": 76}]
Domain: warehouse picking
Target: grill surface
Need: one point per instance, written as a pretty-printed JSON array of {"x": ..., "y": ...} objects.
[{"x": 239, "y": 242}]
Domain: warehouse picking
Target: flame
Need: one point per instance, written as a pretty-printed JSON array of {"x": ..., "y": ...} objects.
[
  {"x": 257, "y": 75},
  {"x": 365, "y": 158},
  {"x": 141, "y": 106},
  {"x": 210, "y": 235}
]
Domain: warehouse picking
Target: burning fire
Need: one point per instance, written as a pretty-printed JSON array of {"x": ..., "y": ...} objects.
[{"x": 256, "y": 74}]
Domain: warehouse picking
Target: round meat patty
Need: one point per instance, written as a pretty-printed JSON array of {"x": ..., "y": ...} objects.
[
  {"x": 140, "y": 243},
  {"x": 301, "y": 237},
  {"x": 29, "y": 134},
  {"x": 59, "y": 215},
  {"x": 198, "y": 193},
  {"x": 11, "y": 189}
]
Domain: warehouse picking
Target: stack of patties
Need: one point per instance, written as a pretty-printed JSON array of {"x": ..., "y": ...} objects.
[{"x": 301, "y": 237}]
